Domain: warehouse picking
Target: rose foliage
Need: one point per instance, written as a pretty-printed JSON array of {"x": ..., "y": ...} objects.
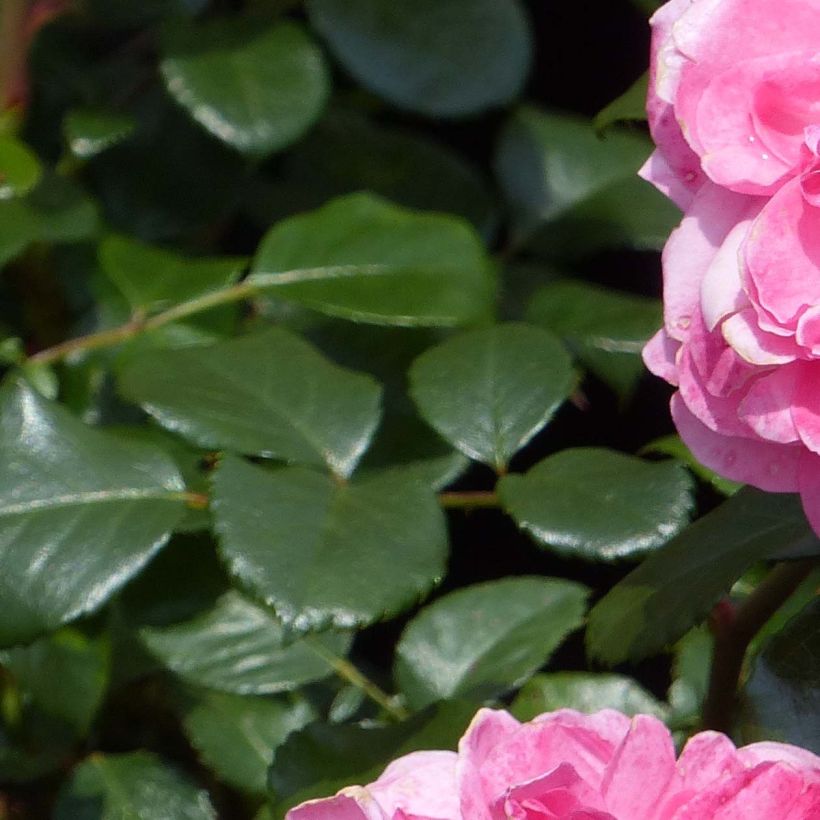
[
  {"x": 568, "y": 766},
  {"x": 324, "y": 424}
]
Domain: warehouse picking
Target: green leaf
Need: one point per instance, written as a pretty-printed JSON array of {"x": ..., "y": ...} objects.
[
  {"x": 781, "y": 700},
  {"x": 80, "y": 513},
  {"x": 257, "y": 87},
  {"x": 585, "y": 692},
  {"x": 55, "y": 211},
  {"x": 598, "y": 504},
  {"x": 628, "y": 213},
  {"x": 347, "y": 152},
  {"x": 328, "y": 553},
  {"x": 440, "y": 59},
  {"x": 604, "y": 328},
  {"x": 170, "y": 177},
  {"x": 152, "y": 278},
  {"x": 268, "y": 394},
  {"x": 490, "y": 391},
  {"x": 323, "y": 758},
  {"x": 19, "y": 168},
  {"x": 549, "y": 163},
  {"x": 484, "y": 640},
  {"x": 674, "y": 588},
  {"x": 363, "y": 258},
  {"x": 241, "y": 648},
  {"x": 236, "y": 736},
  {"x": 673, "y": 446},
  {"x": 690, "y": 676},
  {"x": 89, "y": 132},
  {"x": 189, "y": 461},
  {"x": 631, "y": 105},
  {"x": 33, "y": 744},
  {"x": 65, "y": 674},
  {"x": 136, "y": 785}
]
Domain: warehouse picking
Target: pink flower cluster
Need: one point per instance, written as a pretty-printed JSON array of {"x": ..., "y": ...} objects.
[
  {"x": 734, "y": 108},
  {"x": 568, "y": 766}
]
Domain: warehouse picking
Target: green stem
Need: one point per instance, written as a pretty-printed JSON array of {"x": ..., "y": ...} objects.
[
  {"x": 235, "y": 293},
  {"x": 482, "y": 500},
  {"x": 347, "y": 671},
  {"x": 140, "y": 324},
  {"x": 734, "y": 634}
]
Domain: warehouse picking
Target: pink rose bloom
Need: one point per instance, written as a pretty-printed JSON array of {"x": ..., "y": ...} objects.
[
  {"x": 742, "y": 333},
  {"x": 734, "y": 84},
  {"x": 568, "y": 766}
]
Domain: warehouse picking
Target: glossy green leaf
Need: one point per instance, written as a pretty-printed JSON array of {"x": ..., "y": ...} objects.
[
  {"x": 598, "y": 504},
  {"x": 631, "y": 105},
  {"x": 55, "y": 211},
  {"x": 191, "y": 463},
  {"x": 781, "y": 700},
  {"x": 363, "y": 258},
  {"x": 268, "y": 394},
  {"x": 150, "y": 277},
  {"x": 347, "y": 152},
  {"x": 440, "y": 59},
  {"x": 328, "y": 553},
  {"x": 90, "y": 132},
  {"x": 135, "y": 785},
  {"x": 490, "y": 391},
  {"x": 484, "y": 640},
  {"x": 585, "y": 692},
  {"x": 241, "y": 648},
  {"x": 257, "y": 87},
  {"x": 549, "y": 163},
  {"x": 236, "y": 736},
  {"x": 674, "y": 588},
  {"x": 80, "y": 513},
  {"x": 604, "y": 328},
  {"x": 323, "y": 758},
  {"x": 65, "y": 674},
  {"x": 20, "y": 169}
]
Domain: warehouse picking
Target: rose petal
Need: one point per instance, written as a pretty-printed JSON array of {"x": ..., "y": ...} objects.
[
  {"x": 762, "y": 793},
  {"x": 356, "y": 804},
  {"x": 692, "y": 248},
  {"x": 660, "y": 356},
  {"x": 421, "y": 783},
  {"x": 782, "y": 255},
  {"x": 771, "y": 467},
  {"x": 767, "y": 406},
  {"x": 744, "y": 335},
  {"x": 721, "y": 291},
  {"x": 806, "y": 405},
  {"x": 488, "y": 729},
  {"x": 641, "y": 770}
]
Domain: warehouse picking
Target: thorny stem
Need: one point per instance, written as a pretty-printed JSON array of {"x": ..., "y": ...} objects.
[
  {"x": 347, "y": 671},
  {"x": 735, "y": 631}
]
